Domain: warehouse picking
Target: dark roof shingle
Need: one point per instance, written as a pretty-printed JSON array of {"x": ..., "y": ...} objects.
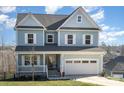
[
  {"x": 59, "y": 48},
  {"x": 50, "y": 21}
]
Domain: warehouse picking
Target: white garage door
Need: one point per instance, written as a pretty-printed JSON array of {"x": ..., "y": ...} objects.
[
  {"x": 118, "y": 75},
  {"x": 73, "y": 67}
]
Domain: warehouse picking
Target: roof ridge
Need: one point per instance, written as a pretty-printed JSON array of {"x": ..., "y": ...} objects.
[{"x": 45, "y": 14}]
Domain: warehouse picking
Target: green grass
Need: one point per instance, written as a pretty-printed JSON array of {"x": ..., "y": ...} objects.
[
  {"x": 117, "y": 79},
  {"x": 46, "y": 83}
]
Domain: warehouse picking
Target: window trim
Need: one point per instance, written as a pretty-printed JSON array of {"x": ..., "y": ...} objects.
[
  {"x": 47, "y": 38},
  {"x": 34, "y": 38},
  {"x": 84, "y": 39},
  {"x": 73, "y": 39},
  {"x": 23, "y": 60},
  {"x": 77, "y": 19}
]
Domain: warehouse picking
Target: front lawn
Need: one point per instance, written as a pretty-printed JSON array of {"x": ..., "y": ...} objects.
[
  {"x": 117, "y": 79},
  {"x": 45, "y": 83}
]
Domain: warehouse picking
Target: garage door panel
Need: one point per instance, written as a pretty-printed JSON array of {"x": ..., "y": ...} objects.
[{"x": 80, "y": 68}]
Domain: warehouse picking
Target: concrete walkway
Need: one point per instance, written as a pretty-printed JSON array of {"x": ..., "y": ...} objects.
[{"x": 101, "y": 81}]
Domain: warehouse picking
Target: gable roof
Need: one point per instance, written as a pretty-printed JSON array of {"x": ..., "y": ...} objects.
[
  {"x": 53, "y": 21},
  {"x": 50, "y": 21},
  {"x": 116, "y": 64},
  {"x": 86, "y": 15}
]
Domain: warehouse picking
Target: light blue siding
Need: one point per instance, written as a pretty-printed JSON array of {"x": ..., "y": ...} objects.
[
  {"x": 79, "y": 37},
  {"x": 55, "y": 36},
  {"x": 21, "y": 37}
]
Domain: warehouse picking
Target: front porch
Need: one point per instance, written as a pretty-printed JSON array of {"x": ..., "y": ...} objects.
[{"x": 48, "y": 65}]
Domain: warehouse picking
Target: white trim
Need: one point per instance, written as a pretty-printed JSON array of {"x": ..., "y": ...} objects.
[
  {"x": 47, "y": 38},
  {"x": 28, "y": 29},
  {"x": 84, "y": 39},
  {"x": 62, "y": 52},
  {"x": 22, "y": 63},
  {"x": 61, "y": 63},
  {"x": 77, "y": 19},
  {"x": 43, "y": 38},
  {"x": 58, "y": 38},
  {"x": 73, "y": 39},
  {"x": 33, "y": 18},
  {"x": 73, "y": 30},
  {"x": 34, "y": 38}
]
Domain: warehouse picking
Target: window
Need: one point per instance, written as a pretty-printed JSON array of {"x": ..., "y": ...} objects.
[
  {"x": 93, "y": 61},
  {"x": 79, "y": 18},
  {"x": 68, "y": 61},
  {"x": 88, "y": 39},
  {"x": 70, "y": 39},
  {"x": 50, "y": 38},
  {"x": 29, "y": 60},
  {"x": 30, "y": 38},
  {"x": 77, "y": 61},
  {"x": 85, "y": 61}
]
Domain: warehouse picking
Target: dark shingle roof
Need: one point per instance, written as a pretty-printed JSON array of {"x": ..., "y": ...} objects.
[
  {"x": 59, "y": 48},
  {"x": 50, "y": 21},
  {"x": 116, "y": 64}
]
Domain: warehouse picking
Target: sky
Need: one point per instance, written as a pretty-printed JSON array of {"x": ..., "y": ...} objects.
[{"x": 109, "y": 18}]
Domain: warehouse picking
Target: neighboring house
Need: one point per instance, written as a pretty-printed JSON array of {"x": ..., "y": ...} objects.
[
  {"x": 116, "y": 67},
  {"x": 58, "y": 44}
]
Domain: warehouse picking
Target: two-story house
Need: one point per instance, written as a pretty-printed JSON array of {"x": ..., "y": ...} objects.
[{"x": 58, "y": 44}]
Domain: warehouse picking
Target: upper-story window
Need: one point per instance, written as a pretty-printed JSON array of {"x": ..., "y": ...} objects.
[
  {"x": 88, "y": 39},
  {"x": 70, "y": 39},
  {"x": 79, "y": 19},
  {"x": 50, "y": 38},
  {"x": 30, "y": 38}
]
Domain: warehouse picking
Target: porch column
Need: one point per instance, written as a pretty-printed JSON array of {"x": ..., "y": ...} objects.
[
  {"x": 44, "y": 61},
  {"x": 16, "y": 63},
  {"x": 61, "y": 64}
]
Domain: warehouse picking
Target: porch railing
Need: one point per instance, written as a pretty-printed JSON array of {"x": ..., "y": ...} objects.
[{"x": 41, "y": 68}]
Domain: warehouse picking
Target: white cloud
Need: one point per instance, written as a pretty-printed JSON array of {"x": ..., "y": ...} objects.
[
  {"x": 7, "y": 21},
  {"x": 7, "y": 9},
  {"x": 104, "y": 27},
  {"x": 110, "y": 36},
  {"x": 52, "y": 9},
  {"x": 90, "y": 8},
  {"x": 98, "y": 16}
]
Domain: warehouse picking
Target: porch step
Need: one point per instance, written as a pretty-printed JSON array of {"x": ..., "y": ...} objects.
[{"x": 53, "y": 73}]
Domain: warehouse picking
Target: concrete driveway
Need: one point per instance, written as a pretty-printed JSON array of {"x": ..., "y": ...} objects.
[{"x": 101, "y": 81}]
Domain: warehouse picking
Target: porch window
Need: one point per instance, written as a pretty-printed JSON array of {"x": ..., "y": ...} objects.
[
  {"x": 50, "y": 38},
  {"x": 29, "y": 60}
]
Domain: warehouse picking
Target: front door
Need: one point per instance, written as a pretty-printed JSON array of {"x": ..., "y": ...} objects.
[{"x": 51, "y": 62}]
